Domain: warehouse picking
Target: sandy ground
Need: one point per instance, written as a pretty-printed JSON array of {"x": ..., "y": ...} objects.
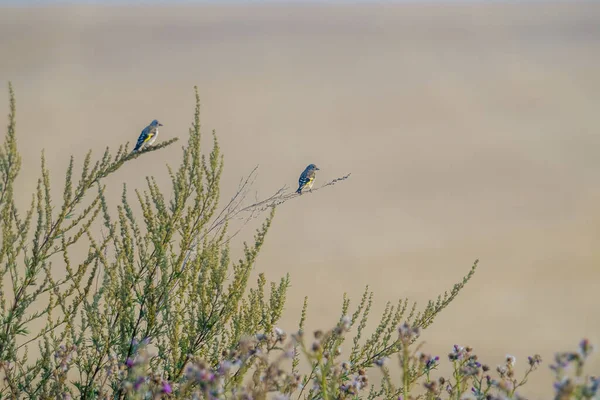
[{"x": 471, "y": 131}]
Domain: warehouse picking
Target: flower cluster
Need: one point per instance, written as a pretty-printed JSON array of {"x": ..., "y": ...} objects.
[
  {"x": 206, "y": 380},
  {"x": 63, "y": 357},
  {"x": 358, "y": 382},
  {"x": 137, "y": 376},
  {"x": 469, "y": 372},
  {"x": 63, "y": 360},
  {"x": 428, "y": 362},
  {"x": 570, "y": 381},
  {"x": 408, "y": 333}
]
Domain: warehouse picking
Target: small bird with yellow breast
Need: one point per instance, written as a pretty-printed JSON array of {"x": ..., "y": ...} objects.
[
  {"x": 307, "y": 178},
  {"x": 148, "y": 136}
]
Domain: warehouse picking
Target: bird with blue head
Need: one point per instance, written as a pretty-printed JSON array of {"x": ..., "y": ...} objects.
[
  {"x": 148, "y": 136},
  {"x": 307, "y": 178}
]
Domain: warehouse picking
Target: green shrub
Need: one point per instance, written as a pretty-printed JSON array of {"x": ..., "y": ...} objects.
[{"x": 157, "y": 308}]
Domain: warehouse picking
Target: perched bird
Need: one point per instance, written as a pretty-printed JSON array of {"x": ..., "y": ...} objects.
[
  {"x": 307, "y": 178},
  {"x": 148, "y": 135}
]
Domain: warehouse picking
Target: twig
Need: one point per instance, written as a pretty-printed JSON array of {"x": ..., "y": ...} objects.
[{"x": 234, "y": 208}]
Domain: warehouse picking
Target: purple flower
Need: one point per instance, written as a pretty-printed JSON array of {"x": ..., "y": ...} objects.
[
  {"x": 138, "y": 382},
  {"x": 431, "y": 363},
  {"x": 129, "y": 363},
  {"x": 534, "y": 360},
  {"x": 166, "y": 387},
  {"x": 458, "y": 353},
  {"x": 561, "y": 385}
]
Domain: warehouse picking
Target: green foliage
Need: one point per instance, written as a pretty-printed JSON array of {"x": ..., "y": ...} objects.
[
  {"x": 164, "y": 276},
  {"x": 28, "y": 259},
  {"x": 157, "y": 308}
]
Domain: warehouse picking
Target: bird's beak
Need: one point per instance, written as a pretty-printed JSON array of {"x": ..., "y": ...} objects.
[
  {"x": 318, "y": 169},
  {"x": 159, "y": 124}
]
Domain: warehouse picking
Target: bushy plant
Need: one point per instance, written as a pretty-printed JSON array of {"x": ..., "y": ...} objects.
[{"x": 158, "y": 309}]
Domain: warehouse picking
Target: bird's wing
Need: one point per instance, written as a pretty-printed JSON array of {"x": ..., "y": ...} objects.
[
  {"x": 306, "y": 178},
  {"x": 303, "y": 177},
  {"x": 146, "y": 135}
]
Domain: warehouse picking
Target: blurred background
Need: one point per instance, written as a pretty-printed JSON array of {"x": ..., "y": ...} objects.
[{"x": 470, "y": 129}]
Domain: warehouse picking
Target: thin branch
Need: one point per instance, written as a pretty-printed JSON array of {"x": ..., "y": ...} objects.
[{"x": 234, "y": 209}]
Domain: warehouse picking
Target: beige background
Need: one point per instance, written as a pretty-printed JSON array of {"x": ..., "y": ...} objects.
[{"x": 471, "y": 131}]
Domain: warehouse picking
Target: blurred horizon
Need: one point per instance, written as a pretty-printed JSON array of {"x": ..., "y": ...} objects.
[{"x": 266, "y": 2}]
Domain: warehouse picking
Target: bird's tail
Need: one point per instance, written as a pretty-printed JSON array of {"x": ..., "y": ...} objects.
[{"x": 299, "y": 191}]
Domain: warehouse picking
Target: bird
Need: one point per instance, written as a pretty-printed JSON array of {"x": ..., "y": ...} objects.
[
  {"x": 307, "y": 178},
  {"x": 148, "y": 135}
]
